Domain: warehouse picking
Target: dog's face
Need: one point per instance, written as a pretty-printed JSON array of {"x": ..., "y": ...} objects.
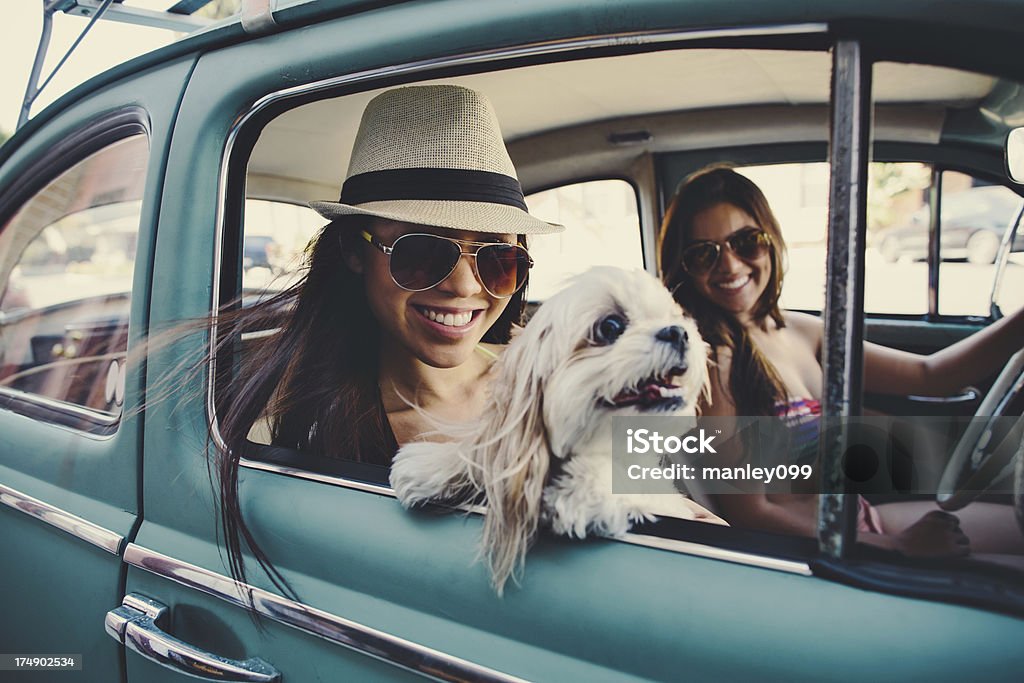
[{"x": 614, "y": 341}]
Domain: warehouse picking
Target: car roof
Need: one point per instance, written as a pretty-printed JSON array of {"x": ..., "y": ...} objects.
[{"x": 892, "y": 22}]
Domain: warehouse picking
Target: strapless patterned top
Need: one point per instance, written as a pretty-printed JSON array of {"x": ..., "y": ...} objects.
[{"x": 801, "y": 415}]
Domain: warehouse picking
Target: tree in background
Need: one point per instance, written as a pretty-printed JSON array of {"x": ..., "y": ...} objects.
[{"x": 895, "y": 192}]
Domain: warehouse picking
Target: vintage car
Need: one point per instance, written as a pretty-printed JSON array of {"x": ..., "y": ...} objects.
[{"x": 850, "y": 114}]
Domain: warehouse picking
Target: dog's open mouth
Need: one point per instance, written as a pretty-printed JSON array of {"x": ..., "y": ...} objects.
[{"x": 652, "y": 393}]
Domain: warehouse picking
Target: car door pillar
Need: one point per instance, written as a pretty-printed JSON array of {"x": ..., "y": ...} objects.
[{"x": 842, "y": 355}]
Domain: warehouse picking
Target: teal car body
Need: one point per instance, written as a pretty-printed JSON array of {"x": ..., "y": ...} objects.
[{"x": 104, "y": 512}]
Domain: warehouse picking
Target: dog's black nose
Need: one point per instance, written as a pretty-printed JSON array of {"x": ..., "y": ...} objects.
[{"x": 674, "y": 335}]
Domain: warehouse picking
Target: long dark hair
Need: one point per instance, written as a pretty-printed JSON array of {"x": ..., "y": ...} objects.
[
  {"x": 312, "y": 374},
  {"x": 754, "y": 384}
]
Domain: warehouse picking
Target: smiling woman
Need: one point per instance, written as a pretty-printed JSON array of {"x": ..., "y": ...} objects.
[
  {"x": 722, "y": 253},
  {"x": 419, "y": 266}
]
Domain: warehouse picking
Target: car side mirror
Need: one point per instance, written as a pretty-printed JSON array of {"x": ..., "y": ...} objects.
[{"x": 1015, "y": 155}]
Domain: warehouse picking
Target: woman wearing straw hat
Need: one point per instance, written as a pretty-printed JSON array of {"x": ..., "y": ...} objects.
[{"x": 422, "y": 265}]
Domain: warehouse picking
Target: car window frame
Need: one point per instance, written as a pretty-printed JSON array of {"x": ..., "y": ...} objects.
[
  {"x": 247, "y": 127},
  {"x": 90, "y": 138}
]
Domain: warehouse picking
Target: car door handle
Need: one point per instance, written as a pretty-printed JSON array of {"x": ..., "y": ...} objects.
[{"x": 134, "y": 624}]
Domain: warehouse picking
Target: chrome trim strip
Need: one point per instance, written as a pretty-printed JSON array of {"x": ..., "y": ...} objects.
[
  {"x": 105, "y": 419},
  {"x": 369, "y": 641},
  {"x": 379, "y": 489},
  {"x": 711, "y": 552},
  {"x": 497, "y": 55},
  {"x": 98, "y": 536}
]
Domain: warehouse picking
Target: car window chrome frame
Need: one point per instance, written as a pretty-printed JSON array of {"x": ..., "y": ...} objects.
[
  {"x": 367, "y": 80},
  {"x": 92, "y": 137},
  {"x": 934, "y": 241}
]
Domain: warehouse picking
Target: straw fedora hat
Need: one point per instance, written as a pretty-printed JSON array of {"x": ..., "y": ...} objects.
[{"x": 434, "y": 155}]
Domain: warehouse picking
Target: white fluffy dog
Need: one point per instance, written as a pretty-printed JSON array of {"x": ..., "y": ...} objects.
[{"x": 614, "y": 342}]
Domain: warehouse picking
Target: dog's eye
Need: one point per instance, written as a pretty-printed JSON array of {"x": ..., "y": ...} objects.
[{"x": 609, "y": 328}]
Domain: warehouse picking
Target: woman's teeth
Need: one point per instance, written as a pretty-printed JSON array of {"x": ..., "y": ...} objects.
[
  {"x": 448, "y": 319},
  {"x": 734, "y": 284}
]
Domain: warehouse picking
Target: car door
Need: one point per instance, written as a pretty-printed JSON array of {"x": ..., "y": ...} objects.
[
  {"x": 79, "y": 192},
  {"x": 379, "y": 593}
]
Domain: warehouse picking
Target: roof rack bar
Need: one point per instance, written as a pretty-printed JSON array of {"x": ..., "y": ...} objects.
[
  {"x": 31, "y": 91},
  {"x": 175, "y": 21},
  {"x": 37, "y": 67},
  {"x": 176, "y": 18}
]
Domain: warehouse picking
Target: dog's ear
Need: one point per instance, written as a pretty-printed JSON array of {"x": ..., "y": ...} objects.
[
  {"x": 513, "y": 445},
  {"x": 505, "y": 453}
]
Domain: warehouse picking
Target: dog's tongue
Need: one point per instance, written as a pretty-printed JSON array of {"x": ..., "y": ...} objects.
[{"x": 651, "y": 391}]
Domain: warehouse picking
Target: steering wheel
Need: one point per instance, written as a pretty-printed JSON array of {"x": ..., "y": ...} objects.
[
  {"x": 987, "y": 449},
  {"x": 1018, "y": 487}
]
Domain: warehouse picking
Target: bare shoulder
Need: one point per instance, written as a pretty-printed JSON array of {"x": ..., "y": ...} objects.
[
  {"x": 809, "y": 327},
  {"x": 805, "y": 323}
]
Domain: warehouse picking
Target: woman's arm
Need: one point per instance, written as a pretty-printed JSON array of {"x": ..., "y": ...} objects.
[
  {"x": 934, "y": 535},
  {"x": 891, "y": 371},
  {"x": 970, "y": 360}
]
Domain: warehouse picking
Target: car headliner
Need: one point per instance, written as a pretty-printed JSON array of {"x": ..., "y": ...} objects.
[{"x": 684, "y": 99}]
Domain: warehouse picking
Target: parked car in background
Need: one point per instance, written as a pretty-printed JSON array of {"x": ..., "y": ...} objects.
[
  {"x": 258, "y": 252},
  {"x": 972, "y": 226},
  {"x": 113, "y": 551}
]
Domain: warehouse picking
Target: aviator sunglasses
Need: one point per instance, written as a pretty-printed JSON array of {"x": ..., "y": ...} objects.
[
  {"x": 749, "y": 244},
  {"x": 419, "y": 261}
]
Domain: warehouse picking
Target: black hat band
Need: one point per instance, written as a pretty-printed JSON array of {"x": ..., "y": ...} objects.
[{"x": 446, "y": 184}]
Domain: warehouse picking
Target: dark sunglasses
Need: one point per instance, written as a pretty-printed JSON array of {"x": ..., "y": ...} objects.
[
  {"x": 749, "y": 244},
  {"x": 419, "y": 261}
]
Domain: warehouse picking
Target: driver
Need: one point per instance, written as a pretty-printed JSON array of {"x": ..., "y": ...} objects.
[{"x": 722, "y": 252}]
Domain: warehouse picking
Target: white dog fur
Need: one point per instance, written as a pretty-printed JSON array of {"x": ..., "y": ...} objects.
[{"x": 552, "y": 397}]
